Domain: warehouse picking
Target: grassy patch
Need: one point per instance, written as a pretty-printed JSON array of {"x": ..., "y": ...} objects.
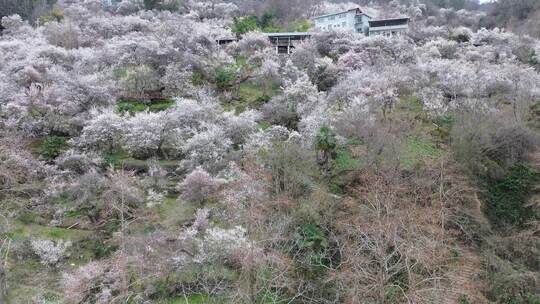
[
  {"x": 20, "y": 293},
  {"x": 115, "y": 158},
  {"x": 417, "y": 146},
  {"x": 122, "y": 160},
  {"x": 252, "y": 95},
  {"x": 132, "y": 107},
  {"x": 411, "y": 104},
  {"x": 263, "y": 126},
  {"x": 173, "y": 213},
  {"x": 26, "y": 276},
  {"x": 425, "y": 134},
  {"x": 54, "y": 15},
  {"x": 21, "y": 231},
  {"x": 356, "y": 142},
  {"x": 345, "y": 161},
  {"x": 416, "y": 150},
  {"x": 74, "y": 213},
  {"x": 189, "y": 299},
  {"x": 441, "y": 128}
]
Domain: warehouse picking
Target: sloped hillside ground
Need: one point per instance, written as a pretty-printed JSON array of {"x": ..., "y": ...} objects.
[{"x": 142, "y": 163}]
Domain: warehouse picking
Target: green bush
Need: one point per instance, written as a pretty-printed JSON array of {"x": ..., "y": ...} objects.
[
  {"x": 267, "y": 23},
  {"x": 224, "y": 77},
  {"x": 507, "y": 199},
  {"x": 312, "y": 257},
  {"x": 263, "y": 99},
  {"x": 463, "y": 299},
  {"x": 310, "y": 236},
  {"x": 300, "y": 26},
  {"x": 197, "y": 78},
  {"x": 534, "y": 60},
  {"x": 51, "y": 147},
  {"x": 244, "y": 24},
  {"x": 100, "y": 249},
  {"x": 535, "y": 109}
]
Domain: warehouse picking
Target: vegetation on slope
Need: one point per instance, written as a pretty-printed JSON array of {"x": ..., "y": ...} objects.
[{"x": 141, "y": 162}]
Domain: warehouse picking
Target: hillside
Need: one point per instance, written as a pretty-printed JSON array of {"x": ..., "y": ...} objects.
[
  {"x": 521, "y": 17},
  {"x": 165, "y": 152}
]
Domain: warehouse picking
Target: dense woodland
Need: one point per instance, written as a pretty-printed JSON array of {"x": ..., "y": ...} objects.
[{"x": 140, "y": 162}]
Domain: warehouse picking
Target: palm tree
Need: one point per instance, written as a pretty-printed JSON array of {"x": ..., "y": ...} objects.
[{"x": 326, "y": 144}]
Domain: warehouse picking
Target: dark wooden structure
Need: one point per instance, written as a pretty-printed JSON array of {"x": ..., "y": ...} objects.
[{"x": 283, "y": 42}]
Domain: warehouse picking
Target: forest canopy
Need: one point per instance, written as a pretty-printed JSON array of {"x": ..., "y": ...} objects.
[{"x": 164, "y": 151}]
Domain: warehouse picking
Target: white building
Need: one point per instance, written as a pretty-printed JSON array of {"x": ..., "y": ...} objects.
[
  {"x": 351, "y": 20},
  {"x": 357, "y": 20},
  {"x": 354, "y": 19}
]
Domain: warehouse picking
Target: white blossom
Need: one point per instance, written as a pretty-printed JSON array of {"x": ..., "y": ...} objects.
[{"x": 50, "y": 252}]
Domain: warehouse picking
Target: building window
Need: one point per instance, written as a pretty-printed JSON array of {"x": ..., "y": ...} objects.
[
  {"x": 332, "y": 17},
  {"x": 344, "y": 24}
]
